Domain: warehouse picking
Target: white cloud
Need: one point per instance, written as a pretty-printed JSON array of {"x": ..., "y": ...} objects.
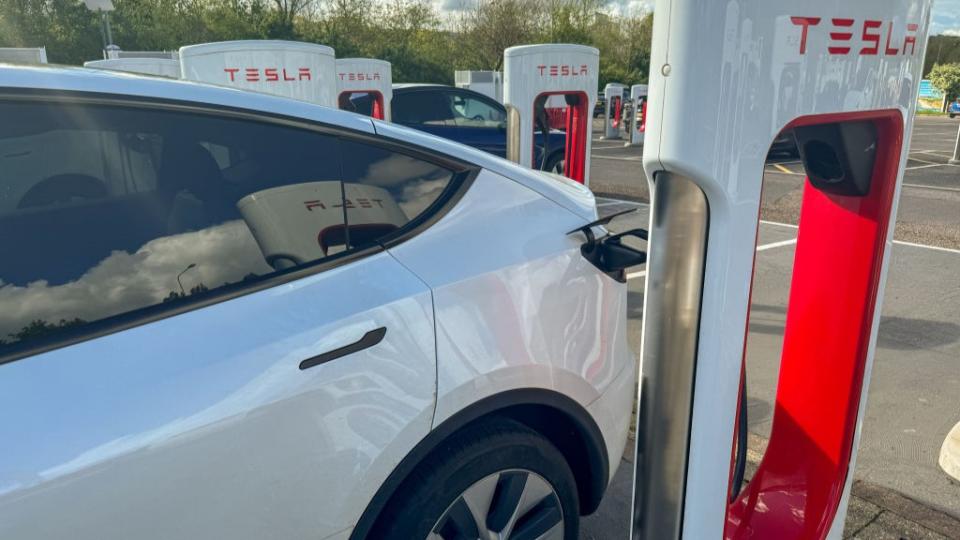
[
  {"x": 946, "y": 17},
  {"x": 952, "y": 32},
  {"x": 125, "y": 281}
]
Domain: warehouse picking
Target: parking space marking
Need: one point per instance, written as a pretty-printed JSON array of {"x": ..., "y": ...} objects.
[
  {"x": 783, "y": 169},
  {"x": 900, "y": 242},
  {"x": 925, "y": 161},
  {"x": 614, "y": 158},
  {"x": 937, "y": 188},
  {"x": 774, "y": 245},
  {"x": 930, "y": 152},
  {"x": 607, "y": 201},
  {"x": 935, "y": 248},
  {"x": 930, "y": 166}
]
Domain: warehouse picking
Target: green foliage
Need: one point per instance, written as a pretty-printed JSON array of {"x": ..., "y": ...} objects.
[
  {"x": 946, "y": 77},
  {"x": 67, "y": 28},
  {"x": 941, "y": 50},
  {"x": 422, "y": 45}
]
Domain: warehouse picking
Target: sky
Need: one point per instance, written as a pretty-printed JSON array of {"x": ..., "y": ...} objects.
[{"x": 946, "y": 13}]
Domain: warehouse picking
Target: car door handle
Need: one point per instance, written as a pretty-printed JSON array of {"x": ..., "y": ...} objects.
[{"x": 368, "y": 340}]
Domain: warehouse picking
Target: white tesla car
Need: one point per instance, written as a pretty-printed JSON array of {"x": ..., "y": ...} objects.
[{"x": 230, "y": 315}]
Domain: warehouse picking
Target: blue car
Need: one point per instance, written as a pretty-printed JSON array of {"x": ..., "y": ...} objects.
[
  {"x": 954, "y": 109},
  {"x": 467, "y": 117}
]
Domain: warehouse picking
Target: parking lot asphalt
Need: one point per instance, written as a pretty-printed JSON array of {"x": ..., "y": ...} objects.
[
  {"x": 929, "y": 211},
  {"x": 914, "y": 396}
]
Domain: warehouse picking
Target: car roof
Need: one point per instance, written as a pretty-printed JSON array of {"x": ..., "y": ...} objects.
[
  {"x": 103, "y": 83},
  {"x": 420, "y": 85}
]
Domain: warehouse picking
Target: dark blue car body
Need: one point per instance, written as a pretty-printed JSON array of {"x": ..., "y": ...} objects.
[{"x": 465, "y": 116}]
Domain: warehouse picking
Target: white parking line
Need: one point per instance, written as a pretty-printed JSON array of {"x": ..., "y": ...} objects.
[
  {"x": 900, "y": 242},
  {"x": 938, "y": 188},
  {"x": 777, "y": 244},
  {"x": 927, "y": 166},
  {"x": 924, "y": 161},
  {"x": 936, "y": 152},
  {"x": 638, "y": 160}
]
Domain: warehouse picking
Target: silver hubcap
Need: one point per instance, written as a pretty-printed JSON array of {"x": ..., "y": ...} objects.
[{"x": 515, "y": 505}]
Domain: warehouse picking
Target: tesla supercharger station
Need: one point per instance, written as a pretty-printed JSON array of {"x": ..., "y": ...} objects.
[
  {"x": 855, "y": 68},
  {"x": 315, "y": 212},
  {"x": 534, "y": 73},
  {"x": 303, "y": 71},
  {"x": 613, "y": 94},
  {"x": 164, "y": 67},
  {"x": 23, "y": 55},
  {"x": 365, "y": 76},
  {"x": 637, "y": 124}
]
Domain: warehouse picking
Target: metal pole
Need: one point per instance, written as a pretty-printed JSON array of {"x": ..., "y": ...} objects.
[
  {"x": 182, "y": 292},
  {"x": 106, "y": 16},
  {"x": 103, "y": 33},
  {"x": 956, "y": 150}
]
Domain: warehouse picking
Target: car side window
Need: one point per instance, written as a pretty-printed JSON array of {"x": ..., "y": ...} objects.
[
  {"x": 423, "y": 108},
  {"x": 105, "y": 210},
  {"x": 386, "y": 189},
  {"x": 472, "y": 111}
]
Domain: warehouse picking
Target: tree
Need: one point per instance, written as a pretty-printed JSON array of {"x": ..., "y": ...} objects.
[
  {"x": 941, "y": 50},
  {"x": 491, "y": 26},
  {"x": 946, "y": 78},
  {"x": 68, "y": 30}
]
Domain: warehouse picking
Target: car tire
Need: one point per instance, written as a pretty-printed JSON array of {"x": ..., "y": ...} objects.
[
  {"x": 953, "y": 115},
  {"x": 517, "y": 484},
  {"x": 555, "y": 163}
]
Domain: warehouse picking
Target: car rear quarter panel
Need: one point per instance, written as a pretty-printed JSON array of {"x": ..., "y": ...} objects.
[{"x": 516, "y": 305}]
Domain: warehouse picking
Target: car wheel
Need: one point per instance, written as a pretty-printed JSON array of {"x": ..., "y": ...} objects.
[
  {"x": 555, "y": 163},
  {"x": 952, "y": 115},
  {"x": 498, "y": 479}
]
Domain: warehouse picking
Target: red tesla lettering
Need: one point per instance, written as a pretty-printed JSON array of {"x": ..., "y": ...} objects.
[
  {"x": 565, "y": 70},
  {"x": 353, "y": 76},
  {"x": 271, "y": 74},
  {"x": 583, "y": 69},
  {"x": 364, "y": 203},
  {"x": 541, "y": 68},
  {"x": 840, "y": 36},
  {"x": 376, "y": 76},
  {"x": 869, "y": 37},
  {"x": 342, "y": 75},
  {"x": 253, "y": 74},
  {"x": 314, "y": 204},
  {"x": 304, "y": 74},
  {"x": 806, "y": 23},
  {"x": 554, "y": 70},
  {"x": 910, "y": 40},
  {"x": 886, "y": 48},
  {"x": 232, "y": 72}
]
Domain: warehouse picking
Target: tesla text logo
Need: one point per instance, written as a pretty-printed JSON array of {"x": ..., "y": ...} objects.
[
  {"x": 359, "y": 202},
  {"x": 268, "y": 74},
  {"x": 562, "y": 71},
  {"x": 359, "y": 76},
  {"x": 867, "y": 37}
]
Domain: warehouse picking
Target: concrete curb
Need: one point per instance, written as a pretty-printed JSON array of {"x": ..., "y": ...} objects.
[{"x": 950, "y": 453}]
